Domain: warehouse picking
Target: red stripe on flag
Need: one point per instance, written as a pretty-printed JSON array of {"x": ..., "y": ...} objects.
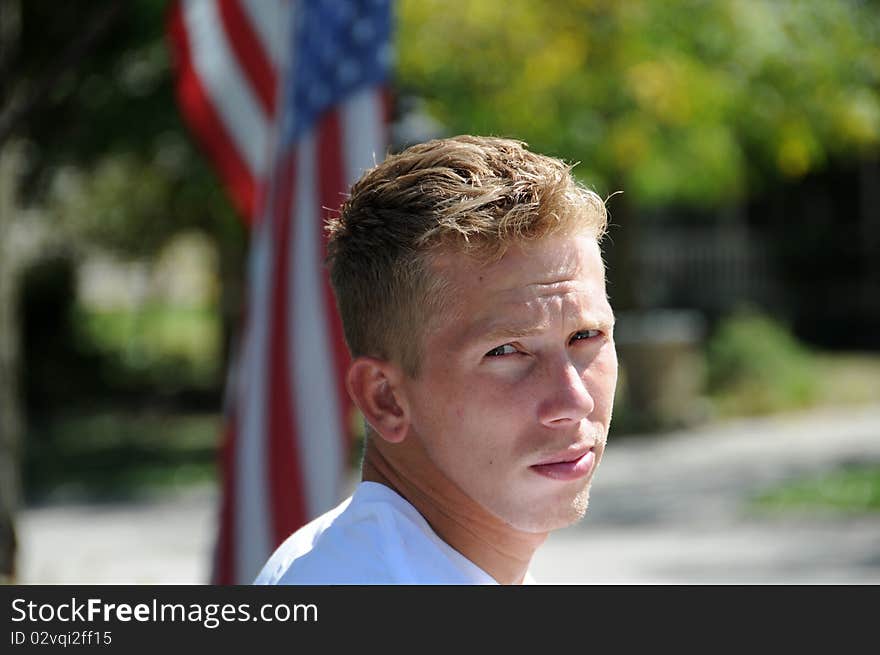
[
  {"x": 388, "y": 101},
  {"x": 199, "y": 113},
  {"x": 224, "y": 573},
  {"x": 331, "y": 187},
  {"x": 285, "y": 480},
  {"x": 250, "y": 54},
  {"x": 225, "y": 563}
]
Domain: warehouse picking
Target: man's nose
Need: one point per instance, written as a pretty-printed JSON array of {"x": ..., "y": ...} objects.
[{"x": 566, "y": 398}]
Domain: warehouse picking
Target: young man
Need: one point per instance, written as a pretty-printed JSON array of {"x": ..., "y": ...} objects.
[{"x": 471, "y": 287}]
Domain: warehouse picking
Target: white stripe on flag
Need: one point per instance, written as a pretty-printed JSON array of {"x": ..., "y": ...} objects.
[
  {"x": 222, "y": 78},
  {"x": 362, "y": 133},
  {"x": 314, "y": 388},
  {"x": 269, "y": 19},
  {"x": 253, "y": 540}
]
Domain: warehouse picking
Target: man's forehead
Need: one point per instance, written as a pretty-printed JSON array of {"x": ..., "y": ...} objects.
[
  {"x": 537, "y": 265},
  {"x": 523, "y": 286}
]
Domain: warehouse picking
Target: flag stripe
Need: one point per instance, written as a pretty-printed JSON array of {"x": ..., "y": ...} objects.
[
  {"x": 388, "y": 107},
  {"x": 363, "y": 133},
  {"x": 331, "y": 187},
  {"x": 199, "y": 113},
  {"x": 287, "y": 137},
  {"x": 252, "y": 537},
  {"x": 319, "y": 427},
  {"x": 288, "y": 506},
  {"x": 259, "y": 70},
  {"x": 230, "y": 95},
  {"x": 224, "y": 562},
  {"x": 269, "y": 19}
]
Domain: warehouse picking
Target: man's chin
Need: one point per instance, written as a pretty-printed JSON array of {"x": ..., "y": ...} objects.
[{"x": 553, "y": 517}]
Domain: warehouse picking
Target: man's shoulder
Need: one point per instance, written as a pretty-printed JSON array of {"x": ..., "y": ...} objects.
[
  {"x": 375, "y": 537},
  {"x": 334, "y": 564},
  {"x": 347, "y": 545},
  {"x": 297, "y": 545}
]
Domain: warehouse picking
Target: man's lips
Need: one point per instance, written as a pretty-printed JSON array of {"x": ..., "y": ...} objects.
[{"x": 567, "y": 466}]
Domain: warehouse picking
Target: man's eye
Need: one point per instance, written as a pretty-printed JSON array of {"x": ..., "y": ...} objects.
[
  {"x": 500, "y": 351},
  {"x": 585, "y": 334}
]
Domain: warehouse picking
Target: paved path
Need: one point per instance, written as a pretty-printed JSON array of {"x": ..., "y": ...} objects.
[{"x": 664, "y": 509}]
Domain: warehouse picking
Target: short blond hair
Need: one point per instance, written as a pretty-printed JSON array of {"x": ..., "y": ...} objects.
[{"x": 470, "y": 194}]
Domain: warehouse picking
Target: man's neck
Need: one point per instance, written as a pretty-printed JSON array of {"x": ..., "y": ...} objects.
[{"x": 499, "y": 549}]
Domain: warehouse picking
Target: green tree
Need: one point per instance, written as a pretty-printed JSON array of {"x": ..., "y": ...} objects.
[
  {"x": 687, "y": 102},
  {"x": 688, "y": 105}
]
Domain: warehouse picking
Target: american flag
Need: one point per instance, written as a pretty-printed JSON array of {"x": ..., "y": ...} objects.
[{"x": 290, "y": 101}]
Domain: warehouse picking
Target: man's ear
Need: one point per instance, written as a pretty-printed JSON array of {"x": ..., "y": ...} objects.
[{"x": 373, "y": 384}]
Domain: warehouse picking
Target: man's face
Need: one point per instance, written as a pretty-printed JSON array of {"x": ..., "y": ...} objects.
[{"x": 513, "y": 398}]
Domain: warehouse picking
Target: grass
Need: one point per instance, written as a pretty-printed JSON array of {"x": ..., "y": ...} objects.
[{"x": 850, "y": 490}]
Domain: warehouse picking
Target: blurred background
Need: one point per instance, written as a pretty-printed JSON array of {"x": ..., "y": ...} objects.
[{"x": 737, "y": 142}]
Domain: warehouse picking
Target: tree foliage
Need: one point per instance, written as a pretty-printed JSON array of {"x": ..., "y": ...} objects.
[
  {"x": 107, "y": 153},
  {"x": 675, "y": 102}
]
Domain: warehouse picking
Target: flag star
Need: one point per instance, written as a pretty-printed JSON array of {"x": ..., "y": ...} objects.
[
  {"x": 329, "y": 53},
  {"x": 318, "y": 96},
  {"x": 340, "y": 46},
  {"x": 343, "y": 11},
  {"x": 347, "y": 71},
  {"x": 384, "y": 55},
  {"x": 363, "y": 31}
]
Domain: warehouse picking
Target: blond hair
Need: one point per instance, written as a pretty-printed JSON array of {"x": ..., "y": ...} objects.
[{"x": 476, "y": 195}]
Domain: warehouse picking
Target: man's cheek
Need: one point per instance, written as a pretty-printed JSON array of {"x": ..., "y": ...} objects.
[{"x": 603, "y": 377}]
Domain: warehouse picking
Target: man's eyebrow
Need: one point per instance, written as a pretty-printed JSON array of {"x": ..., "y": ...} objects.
[
  {"x": 510, "y": 332},
  {"x": 514, "y": 331}
]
